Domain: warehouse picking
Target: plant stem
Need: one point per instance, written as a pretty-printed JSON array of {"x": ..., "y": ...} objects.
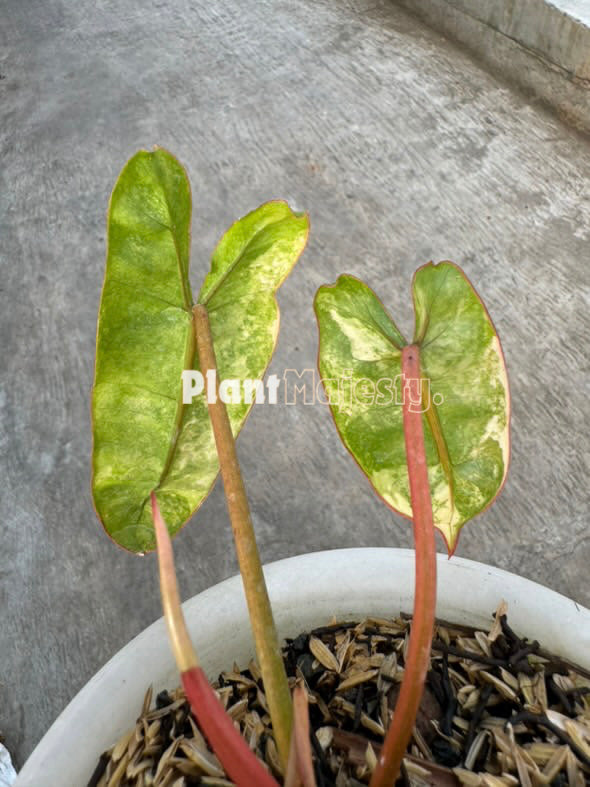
[
  {"x": 263, "y": 628},
  {"x": 239, "y": 762},
  {"x": 180, "y": 641},
  {"x": 300, "y": 772},
  {"x": 418, "y": 659}
]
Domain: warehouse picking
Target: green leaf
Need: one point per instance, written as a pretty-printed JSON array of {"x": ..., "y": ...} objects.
[
  {"x": 465, "y": 391},
  {"x": 144, "y": 437}
]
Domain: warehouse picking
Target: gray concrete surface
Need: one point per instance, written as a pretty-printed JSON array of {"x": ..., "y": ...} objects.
[
  {"x": 403, "y": 150},
  {"x": 557, "y": 31},
  {"x": 541, "y": 45}
]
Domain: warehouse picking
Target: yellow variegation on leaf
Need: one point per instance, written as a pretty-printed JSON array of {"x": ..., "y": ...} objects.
[
  {"x": 145, "y": 438},
  {"x": 465, "y": 396}
]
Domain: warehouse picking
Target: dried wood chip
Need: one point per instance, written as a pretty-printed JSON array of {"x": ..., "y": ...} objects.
[
  {"x": 323, "y": 654},
  {"x": 504, "y": 713},
  {"x": 503, "y": 688},
  {"x": 357, "y": 678},
  {"x": 371, "y": 758}
]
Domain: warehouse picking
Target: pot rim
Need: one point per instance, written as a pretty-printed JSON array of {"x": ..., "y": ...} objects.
[{"x": 305, "y": 591}]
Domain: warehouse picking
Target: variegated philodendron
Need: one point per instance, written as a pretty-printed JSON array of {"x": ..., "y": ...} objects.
[
  {"x": 145, "y": 437},
  {"x": 465, "y": 403}
]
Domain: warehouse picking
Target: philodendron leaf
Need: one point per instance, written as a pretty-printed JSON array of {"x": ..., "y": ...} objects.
[
  {"x": 465, "y": 396},
  {"x": 145, "y": 438}
]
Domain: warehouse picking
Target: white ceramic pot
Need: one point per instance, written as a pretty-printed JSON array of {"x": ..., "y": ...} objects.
[{"x": 306, "y": 591}]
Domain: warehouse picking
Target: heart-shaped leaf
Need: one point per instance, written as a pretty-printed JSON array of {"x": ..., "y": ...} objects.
[
  {"x": 145, "y": 438},
  {"x": 465, "y": 396}
]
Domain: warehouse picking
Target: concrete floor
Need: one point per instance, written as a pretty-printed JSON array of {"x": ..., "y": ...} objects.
[{"x": 403, "y": 150}]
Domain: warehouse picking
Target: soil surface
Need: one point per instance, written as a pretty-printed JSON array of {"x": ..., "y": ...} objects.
[{"x": 497, "y": 710}]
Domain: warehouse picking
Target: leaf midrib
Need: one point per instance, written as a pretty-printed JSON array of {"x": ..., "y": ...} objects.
[
  {"x": 190, "y": 357},
  {"x": 189, "y": 361},
  {"x": 229, "y": 270},
  {"x": 184, "y": 280},
  {"x": 440, "y": 442}
]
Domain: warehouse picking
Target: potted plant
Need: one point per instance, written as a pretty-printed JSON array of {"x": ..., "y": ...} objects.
[
  {"x": 428, "y": 422},
  {"x": 306, "y": 591}
]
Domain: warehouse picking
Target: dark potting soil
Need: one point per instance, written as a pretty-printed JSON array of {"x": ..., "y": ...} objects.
[{"x": 497, "y": 710}]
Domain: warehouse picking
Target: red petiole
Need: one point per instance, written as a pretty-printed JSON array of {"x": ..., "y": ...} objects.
[
  {"x": 239, "y": 762},
  {"x": 418, "y": 658},
  {"x": 300, "y": 772}
]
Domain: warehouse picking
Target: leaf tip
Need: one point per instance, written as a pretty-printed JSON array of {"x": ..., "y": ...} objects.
[{"x": 451, "y": 543}]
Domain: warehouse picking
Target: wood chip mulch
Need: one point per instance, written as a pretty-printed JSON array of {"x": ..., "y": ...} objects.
[{"x": 497, "y": 710}]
